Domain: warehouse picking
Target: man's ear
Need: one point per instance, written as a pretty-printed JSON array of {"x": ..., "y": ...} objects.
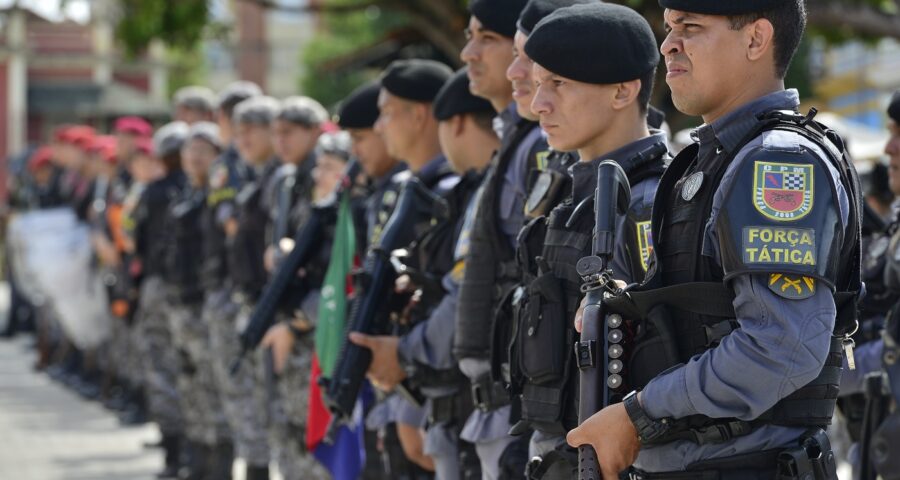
[
  {"x": 625, "y": 94},
  {"x": 460, "y": 124},
  {"x": 421, "y": 113},
  {"x": 760, "y": 39}
]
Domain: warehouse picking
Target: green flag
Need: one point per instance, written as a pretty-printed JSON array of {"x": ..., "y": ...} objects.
[{"x": 333, "y": 298}]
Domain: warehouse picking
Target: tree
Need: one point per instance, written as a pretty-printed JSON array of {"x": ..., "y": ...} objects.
[{"x": 355, "y": 25}]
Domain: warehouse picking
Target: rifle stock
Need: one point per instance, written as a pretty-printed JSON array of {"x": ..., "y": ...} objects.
[{"x": 611, "y": 199}]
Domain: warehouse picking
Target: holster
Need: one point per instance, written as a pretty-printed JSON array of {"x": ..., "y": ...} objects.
[
  {"x": 488, "y": 395},
  {"x": 811, "y": 459}
]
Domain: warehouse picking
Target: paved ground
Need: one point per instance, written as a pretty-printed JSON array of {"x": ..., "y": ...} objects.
[{"x": 50, "y": 433}]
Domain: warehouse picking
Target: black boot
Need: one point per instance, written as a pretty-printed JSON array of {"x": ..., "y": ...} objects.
[
  {"x": 196, "y": 465},
  {"x": 135, "y": 412},
  {"x": 221, "y": 461},
  {"x": 257, "y": 473},
  {"x": 172, "y": 448}
]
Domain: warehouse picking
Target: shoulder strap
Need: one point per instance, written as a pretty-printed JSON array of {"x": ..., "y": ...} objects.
[{"x": 717, "y": 300}]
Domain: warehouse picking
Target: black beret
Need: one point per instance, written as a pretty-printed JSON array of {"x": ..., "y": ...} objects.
[
  {"x": 721, "y": 7},
  {"x": 455, "y": 98},
  {"x": 536, "y": 10},
  {"x": 600, "y": 43},
  {"x": 498, "y": 15},
  {"x": 360, "y": 108},
  {"x": 894, "y": 107},
  {"x": 416, "y": 80}
]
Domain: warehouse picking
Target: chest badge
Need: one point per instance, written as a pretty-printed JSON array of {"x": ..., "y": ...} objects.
[
  {"x": 783, "y": 191},
  {"x": 691, "y": 186}
]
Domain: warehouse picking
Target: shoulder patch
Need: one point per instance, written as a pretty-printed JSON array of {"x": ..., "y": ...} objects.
[
  {"x": 783, "y": 191},
  {"x": 219, "y": 177},
  {"x": 645, "y": 243},
  {"x": 764, "y": 245},
  {"x": 541, "y": 160},
  {"x": 792, "y": 287}
]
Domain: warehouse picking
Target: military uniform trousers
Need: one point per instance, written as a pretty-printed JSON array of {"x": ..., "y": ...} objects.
[
  {"x": 124, "y": 360},
  {"x": 159, "y": 357},
  {"x": 201, "y": 401},
  {"x": 286, "y": 404},
  {"x": 243, "y": 412}
]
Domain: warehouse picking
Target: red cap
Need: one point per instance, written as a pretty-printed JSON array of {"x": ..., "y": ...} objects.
[
  {"x": 42, "y": 157},
  {"x": 330, "y": 127},
  {"x": 133, "y": 125},
  {"x": 81, "y": 136},
  {"x": 104, "y": 146},
  {"x": 144, "y": 145}
]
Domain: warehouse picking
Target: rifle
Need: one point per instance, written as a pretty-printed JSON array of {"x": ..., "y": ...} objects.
[
  {"x": 369, "y": 313},
  {"x": 611, "y": 199},
  {"x": 307, "y": 242}
]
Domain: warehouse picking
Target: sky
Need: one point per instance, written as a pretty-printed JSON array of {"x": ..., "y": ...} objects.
[{"x": 77, "y": 10}]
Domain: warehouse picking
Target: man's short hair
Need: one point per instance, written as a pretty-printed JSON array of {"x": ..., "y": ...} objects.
[
  {"x": 259, "y": 110},
  {"x": 303, "y": 111},
  {"x": 647, "y": 81},
  {"x": 789, "y": 22}
]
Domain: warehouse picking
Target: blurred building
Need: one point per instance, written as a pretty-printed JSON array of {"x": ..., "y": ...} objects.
[
  {"x": 856, "y": 80},
  {"x": 264, "y": 45},
  {"x": 56, "y": 70}
]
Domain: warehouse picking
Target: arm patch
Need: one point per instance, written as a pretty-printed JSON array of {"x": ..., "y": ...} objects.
[{"x": 780, "y": 216}]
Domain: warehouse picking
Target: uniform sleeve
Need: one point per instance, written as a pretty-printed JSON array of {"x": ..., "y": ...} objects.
[
  {"x": 431, "y": 342},
  {"x": 780, "y": 347},
  {"x": 786, "y": 319}
]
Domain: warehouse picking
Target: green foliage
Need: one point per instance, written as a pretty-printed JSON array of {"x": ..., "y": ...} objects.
[
  {"x": 343, "y": 35},
  {"x": 178, "y": 23},
  {"x": 188, "y": 68}
]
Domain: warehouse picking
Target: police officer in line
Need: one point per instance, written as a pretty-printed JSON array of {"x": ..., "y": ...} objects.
[
  {"x": 206, "y": 428},
  {"x": 423, "y": 355},
  {"x": 296, "y": 130},
  {"x": 599, "y": 111},
  {"x": 149, "y": 229},
  {"x": 357, "y": 115},
  {"x": 194, "y": 103},
  {"x": 246, "y": 272},
  {"x": 878, "y": 455},
  {"x": 880, "y": 257},
  {"x": 409, "y": 130},
  {"x": 761, "y": 216},
  {"x": 227, "y": 176},
  {"x": 490, "y": 270}
]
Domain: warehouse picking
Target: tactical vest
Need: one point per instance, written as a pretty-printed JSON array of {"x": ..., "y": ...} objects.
[
  {"x": 151, "y": 222},
  {"x": 674, "y": 326},
  {"x": 491, "y": 270},
  {"x": 433, "y": 258},
  {"x": 245, "y": 251},
  {"x": 226, "y": 178},
  {"x": 544, "y": 306},
  {"x": 186, "y": 255}
]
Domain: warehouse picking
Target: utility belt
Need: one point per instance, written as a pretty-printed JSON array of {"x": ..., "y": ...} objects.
[
  {"x": 242, "y": 296},
  {"x": 488, "y": 395},
  {"x": 812, "y": 459},
  {"x": 189, "y": 297},
  {"x": 426, "y": 377},
  {"x": 451, "y": 409}
]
